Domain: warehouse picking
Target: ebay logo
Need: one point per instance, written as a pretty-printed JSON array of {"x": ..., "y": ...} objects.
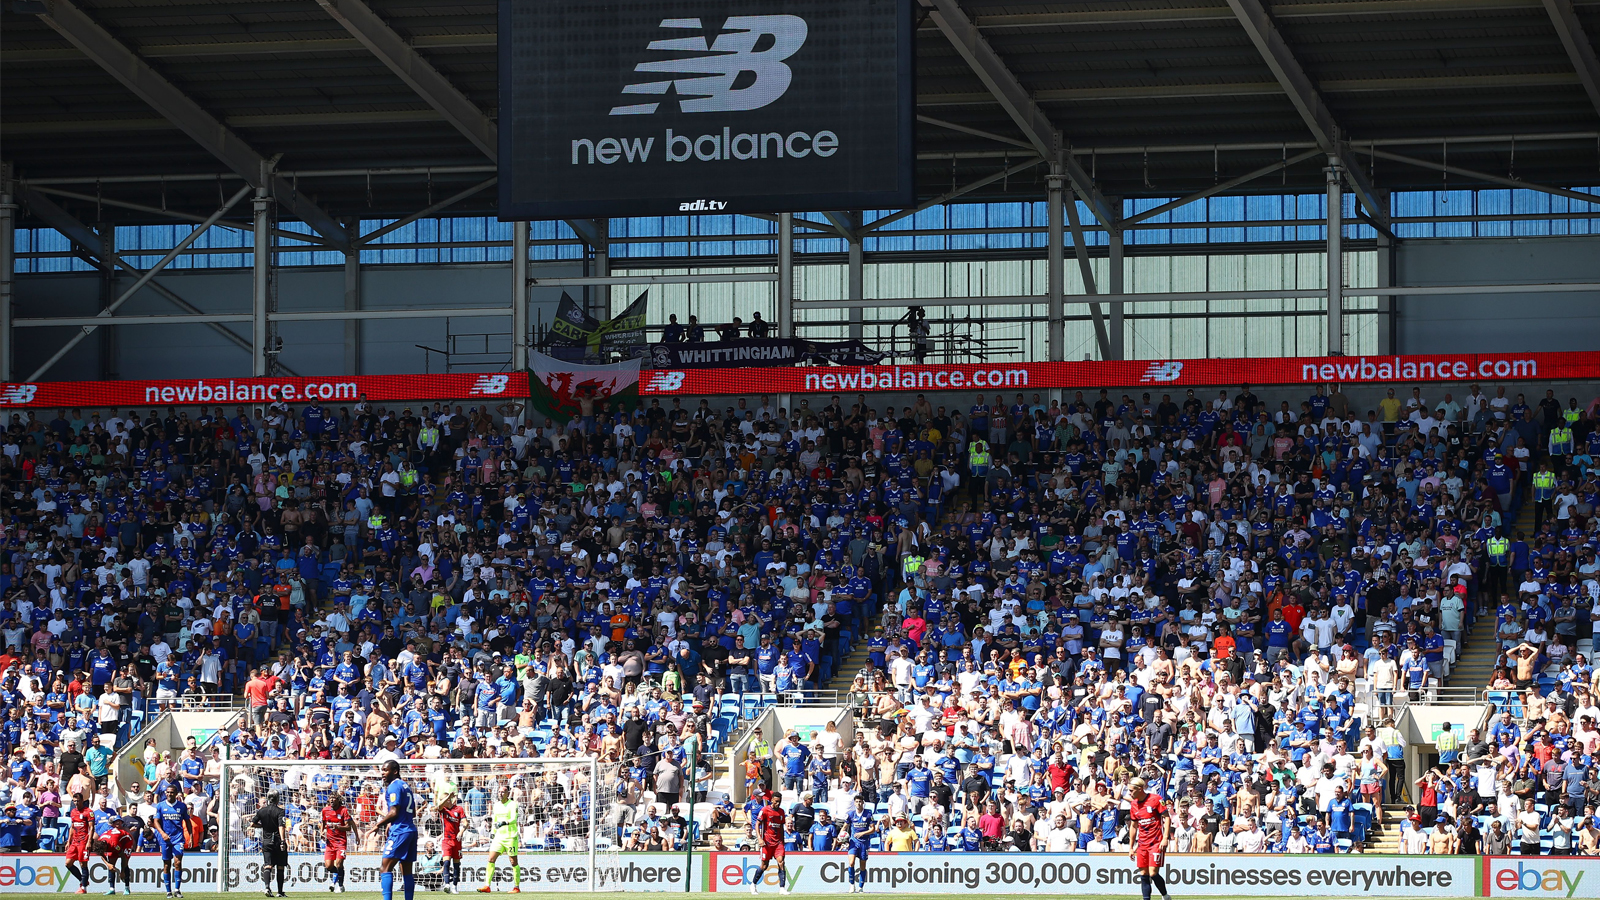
[{"x": 1532, "y": 878}]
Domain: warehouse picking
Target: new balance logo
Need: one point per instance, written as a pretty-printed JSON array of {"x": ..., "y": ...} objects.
[
  {"x": 1163, "y": 371},
  {"x": 18, "y": 394},
  {"x": 491, "y": 384},
  {"x": 710, "y": 87},
  {"x": 666, "y": 382}
]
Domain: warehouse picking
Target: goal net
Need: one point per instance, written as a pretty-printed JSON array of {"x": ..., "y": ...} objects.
[{"x": 564, "y": 832}]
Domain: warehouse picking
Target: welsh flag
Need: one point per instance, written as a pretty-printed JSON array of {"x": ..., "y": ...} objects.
[{"x": 556, "y": 385}]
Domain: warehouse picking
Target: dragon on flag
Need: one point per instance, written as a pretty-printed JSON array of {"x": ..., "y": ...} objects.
[{"x": 556, "y": 385}]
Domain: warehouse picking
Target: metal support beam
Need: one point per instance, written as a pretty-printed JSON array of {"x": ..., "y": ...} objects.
[
  {"x": 600, "y": 295},
  {"x": 785, "y": 275},
  {"x": 1446, "y": 290},
  {"x": 1222, "y": 188},
  {"x": 8, "y": 245},
  {"x": 975, "y": 132},
  {"x": 1387, "y": 306},
  {"x": 1055, "y": 265},
  {"x": 1335, "y": 261},
  {"x": 1275, "y": 51},
  {"x": 856, "y": 286},
  {"x": 827, "y": 227},
  {"x": 423, "y": 79},
  {"x": 353, "y": 334},
  {"x": 1081, "y": 247},
  {"x": 844, "y": 223},
  {"x": 88, "y": 241},
  {"x": 464, "y": 312},
  {"x": 1481, "y": 176},
  {"x": 1119, "y": 308},
  {"x": 991, "y": 69},
  {"x": 106, "y": 352},
  {"x": 96, "y": 321},
  {"x": 713, "y": 278},
  {"x": 176, "y": 106},
  {"x": 447, "y": 202},
  {"x": 520, "y": 335},
  {"x": 947, "y": 196},
  {"x": 143, "y": 280},
  {"x": 1579, "y": 49},
  {"x": 261, "y": 274}
]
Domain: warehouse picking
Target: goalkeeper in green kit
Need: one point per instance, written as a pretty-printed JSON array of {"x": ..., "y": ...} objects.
[{"x": 506, "y": 818}]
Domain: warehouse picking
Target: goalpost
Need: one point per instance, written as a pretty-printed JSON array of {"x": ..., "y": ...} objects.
[{"x": 569, "y": 830}]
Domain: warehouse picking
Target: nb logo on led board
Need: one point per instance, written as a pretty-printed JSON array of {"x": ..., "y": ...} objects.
[
  {"x": 663, "y": 382},
  {"x": 1163, "y": 371},
  {"x": 18, "y": 394},
  {"x": 491, "y": 384},
  {"x": 708, "y": 85}
]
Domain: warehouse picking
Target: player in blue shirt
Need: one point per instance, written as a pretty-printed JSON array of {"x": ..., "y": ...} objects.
[
  {"x": 401, "y": 846},
  {"x": 172, "y": 816},
  {"x": 859, "y": 827}
]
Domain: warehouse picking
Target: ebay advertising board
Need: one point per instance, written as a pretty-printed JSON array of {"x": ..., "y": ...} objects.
[
  {"x": 1081, "y": 874},
  {"x": 1541, "y": 876},
  {"x": 31, "y": 873}
]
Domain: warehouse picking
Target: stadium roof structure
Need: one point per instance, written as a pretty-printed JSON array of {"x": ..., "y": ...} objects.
[{"x": 386, "y": 108}]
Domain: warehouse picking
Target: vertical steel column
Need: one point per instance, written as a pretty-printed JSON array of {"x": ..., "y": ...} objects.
[
  {"x": 8, "y": 256},
  {"x": 1118, "y": 336},
  {"x": 1335, "y": 259},
  {"x": 352, "y": 303},
  {"x": 785, "y": 275},
  {"x": 259, "y": 334},
  {"x": 1057, "y": 264},
  {"x": 1387, "y": 306},
  {"x": 107, "y": 337},
  {"x": 856, "y": 287},
  {"x": 600, "y": 294},
  {"x": 519, "y": 296}
]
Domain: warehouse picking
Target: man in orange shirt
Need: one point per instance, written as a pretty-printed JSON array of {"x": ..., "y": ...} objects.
[
  {"x": 1222, "y": 647},
  {"x": 258, "y": 690}
]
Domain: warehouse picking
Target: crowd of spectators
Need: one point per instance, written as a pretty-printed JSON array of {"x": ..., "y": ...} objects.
[{"x": 1226, "y": 596}]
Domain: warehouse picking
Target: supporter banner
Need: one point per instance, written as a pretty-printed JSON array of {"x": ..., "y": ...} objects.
[
  {"x": 626, "y": 331},
  {"x": 1077, "y": 874},
  {"x": 571, "y": 326},
  {"x": 1145, "y": 375},
  {"x": 210, "y": 391},
  {"x": 757, "y": 352},
  {"x": 558, "y": 385},
  {"x": 31, "y": 873},
  {"x": 1543, "y": 876}
]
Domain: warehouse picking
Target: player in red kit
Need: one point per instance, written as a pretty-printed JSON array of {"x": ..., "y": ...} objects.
[
  {"x": 115, "y": 846},
  {"x": 78, "y": 834},
  {"x": 337, "y": 827},
  {"x": 451, "y": 815},
  {"x": 1152, "y": 829},
  {"x": 770, "y": 822}
]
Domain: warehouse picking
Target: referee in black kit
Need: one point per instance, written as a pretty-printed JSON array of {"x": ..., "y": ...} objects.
[{"x": 274, "y": 842}]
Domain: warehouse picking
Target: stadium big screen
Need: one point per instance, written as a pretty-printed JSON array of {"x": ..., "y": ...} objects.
[{"x": 653, "y": 107}]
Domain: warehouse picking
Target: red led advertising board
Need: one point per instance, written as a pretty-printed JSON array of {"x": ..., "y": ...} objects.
[{"x": 1146, "y": 374}]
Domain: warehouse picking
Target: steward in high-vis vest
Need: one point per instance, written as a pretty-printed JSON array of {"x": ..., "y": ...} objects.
[
  {"x": 428, "y": 438},
  {"x": 1544, "y": 494},
  {"x": 1561, "y": 440},
  {"x": 978, "y": 458},
  {"x": 1499, "y": 551},
  {"x": 1499, "y": 560}
]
